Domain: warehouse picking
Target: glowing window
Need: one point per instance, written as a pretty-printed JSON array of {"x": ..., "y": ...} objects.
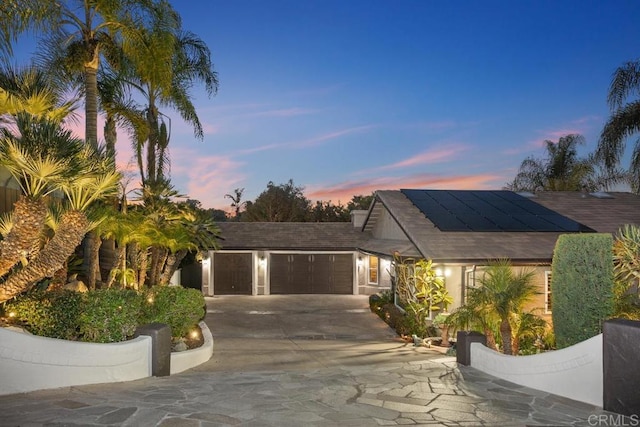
[{"x": 373, "y": 270}]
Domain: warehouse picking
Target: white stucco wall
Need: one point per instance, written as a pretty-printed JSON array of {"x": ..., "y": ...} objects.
[
  {"x": 29, "y": 362},
  {"x": 574, "y": 372},
  {"x": 183, "y": 360}
]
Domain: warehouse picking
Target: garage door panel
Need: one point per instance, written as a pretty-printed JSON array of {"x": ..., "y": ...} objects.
[
  {"x": 311, "y": 273},
  {"x": 232, "y": 273}
]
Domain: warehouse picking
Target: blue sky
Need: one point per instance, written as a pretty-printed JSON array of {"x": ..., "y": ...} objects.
[{"x": 349, "y": 96}]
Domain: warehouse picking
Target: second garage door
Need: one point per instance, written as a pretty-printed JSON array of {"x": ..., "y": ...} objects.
[{"x": 311, "y": 273}]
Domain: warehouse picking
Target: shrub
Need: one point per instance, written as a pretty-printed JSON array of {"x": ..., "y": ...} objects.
[
  {"x": 181, "y": 308},
  {"x": 51, "y": 314},
  {"x": 581, "y": 286},
  {"x": 110, "y": 315}
]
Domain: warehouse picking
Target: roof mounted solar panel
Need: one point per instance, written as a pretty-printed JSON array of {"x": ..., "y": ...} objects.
[{"x": 489, "y": 211}]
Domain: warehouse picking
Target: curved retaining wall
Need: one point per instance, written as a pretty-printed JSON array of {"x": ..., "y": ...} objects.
[
  {"x": 29, "y": 362},
  {"x": 574, "y": 372},
  {"x": 184, "y": 360}
]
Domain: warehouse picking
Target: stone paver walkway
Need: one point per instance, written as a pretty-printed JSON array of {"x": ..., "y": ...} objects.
[{"x": 290, "y": 379}]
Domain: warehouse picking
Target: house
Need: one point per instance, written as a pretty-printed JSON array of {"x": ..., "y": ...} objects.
[{"x": 460, "y": 230}]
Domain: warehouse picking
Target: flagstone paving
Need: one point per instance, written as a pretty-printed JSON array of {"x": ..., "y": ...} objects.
[{"x": 325, "y": 382}]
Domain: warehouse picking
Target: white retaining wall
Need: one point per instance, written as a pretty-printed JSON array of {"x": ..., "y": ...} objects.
[
  {"x": 29, "y": 362},
  {"x": 183, "y": 360},
  {"x": 574, "y": 372}
]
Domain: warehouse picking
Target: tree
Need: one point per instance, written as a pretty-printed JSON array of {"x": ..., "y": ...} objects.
[
  {"x": 279, "y": 203},
  {"x": 30, "y": 90},
  {"x": 77, "y": 38},
  {"x": 88, "y": 180},
  {"x": 562, "y": 170},
  {"x": 504, "y": 293},
  {"x": 236, "y": 202},
  {"x": 174, "y": 61},
  {"x": 360, "y": 202},
  {"x": 624, "y": 121},
  {"x": 328, "y": 212}
]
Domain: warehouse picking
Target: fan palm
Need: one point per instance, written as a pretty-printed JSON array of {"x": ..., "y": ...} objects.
[
  {"x": 30, "y": 90},
  {"x": 624, "y": 121},
  {"x": 94, "y": 180},
  {"x": 38, "y": 159}
]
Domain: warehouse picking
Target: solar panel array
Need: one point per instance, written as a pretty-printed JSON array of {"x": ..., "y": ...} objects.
[{"x": 466, "y": 210}]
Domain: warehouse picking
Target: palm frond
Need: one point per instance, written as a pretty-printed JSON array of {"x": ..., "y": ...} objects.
[{"x": 625, "y": 82}]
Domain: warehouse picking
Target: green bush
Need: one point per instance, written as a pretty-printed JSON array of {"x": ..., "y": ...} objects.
[
  {"x": 181, "y": 308},
  {"x": 110, "y": 315},
  {"x": 51, "y": 314},
  {"x": 581, "y": 286}
]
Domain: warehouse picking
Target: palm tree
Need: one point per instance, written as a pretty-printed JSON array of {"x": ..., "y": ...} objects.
[
  {"x": 168, "y": 86},
  {"x": 562, "y": 170},
  {"x": 95, "y": 179},
  {"x": 505, "y": 293},
  {"x": 236, "y": 201},
  {"x": 78, "y": 36},
  {"x": 30, "y": 90},
  {"x": 38, "y": 158},
  {"x": 624, "y": 121}
]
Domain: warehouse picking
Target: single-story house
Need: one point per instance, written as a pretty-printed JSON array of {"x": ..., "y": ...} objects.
[{"x": 460, "y": 230}]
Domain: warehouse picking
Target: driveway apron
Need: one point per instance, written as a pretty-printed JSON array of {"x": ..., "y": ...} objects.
[{"x": 305, "y": 360}]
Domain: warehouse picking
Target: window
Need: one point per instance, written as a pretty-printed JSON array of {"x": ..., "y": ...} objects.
[
  {"x": 373, "y": 270},
  {"x": 547, "y": 292},
  {"x": 470, "y": 281}
]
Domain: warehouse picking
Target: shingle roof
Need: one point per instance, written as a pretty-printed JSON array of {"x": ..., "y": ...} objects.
[
  {"x": 605, "y": 215},
  {"x": 327, "y": 236},
  {"x": 601, "y": 214}
]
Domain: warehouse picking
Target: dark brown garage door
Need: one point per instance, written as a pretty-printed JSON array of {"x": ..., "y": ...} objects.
[
  {"x": 232, "y": 274},
  {"x": 311, "y": 274}
]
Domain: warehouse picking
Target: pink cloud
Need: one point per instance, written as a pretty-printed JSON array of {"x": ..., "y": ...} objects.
[
  {"x": 344, "y": 192},
  {"x": 206, "y": 178},
  {"x": 431, "y": 156},
  {"x": 307, "y": 143}
]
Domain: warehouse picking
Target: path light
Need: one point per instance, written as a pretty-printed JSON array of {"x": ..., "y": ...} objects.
[
  {"x": 150, "y": 299},
  {"x": 194, "y": 334},
  {"x": 12, "y": 314}
]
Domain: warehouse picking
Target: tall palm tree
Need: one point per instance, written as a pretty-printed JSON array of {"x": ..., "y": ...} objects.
[
  {"x": 236, "y": 201},
  {"x": 505, "y": 292},
  {"x": 79, "y": 34},
  {"x": 168, "y": 86},
  {"x": 624, "y": 101},
  {"x": 562, "y": 170}
]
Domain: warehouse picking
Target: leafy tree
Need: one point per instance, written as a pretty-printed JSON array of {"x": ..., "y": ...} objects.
[
  {"x": 328, "y": 212},
  {"x": 562, "y": 170},
  {"x": 360, "y": 202},
  {"x": 279, "y": 203},
  {"x": 624, "y": 102}
]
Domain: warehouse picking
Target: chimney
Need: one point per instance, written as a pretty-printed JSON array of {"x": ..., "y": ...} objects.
[{"x": 358, "y": 217}]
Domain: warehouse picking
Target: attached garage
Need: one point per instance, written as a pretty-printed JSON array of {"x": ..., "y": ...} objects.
[
  {"x": 233, "y": 273},
  {"x": 305, "y": 273},
  {"x": 262, "y": 258}
]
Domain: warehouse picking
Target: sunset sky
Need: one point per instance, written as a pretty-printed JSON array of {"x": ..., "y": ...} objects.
[{"x": 349, "y": 96}]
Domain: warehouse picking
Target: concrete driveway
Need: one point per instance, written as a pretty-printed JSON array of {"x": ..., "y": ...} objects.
[
  {"x": 297, "y": 332},
  {"x": 302, "y": 361}
]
